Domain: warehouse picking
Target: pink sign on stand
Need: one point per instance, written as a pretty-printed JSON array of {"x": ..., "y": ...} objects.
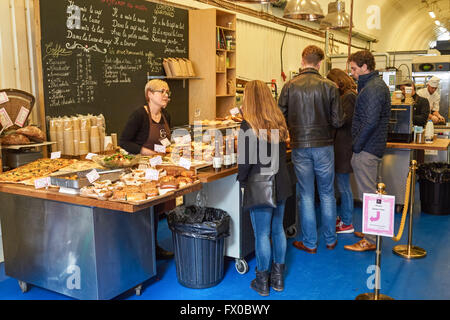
[{"x": 378, "y": 214}]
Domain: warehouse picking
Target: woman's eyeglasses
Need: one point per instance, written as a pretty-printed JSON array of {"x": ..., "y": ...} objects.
[{"x": 163, "y": 91}]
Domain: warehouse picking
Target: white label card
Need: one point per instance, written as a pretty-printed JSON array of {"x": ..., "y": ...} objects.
[
  {"x": 151, "y": 174},
  {"x": 55, "y": 155},
  {"x": 186, "y": 139},
  {"x": 90, "y": 155},
  {"x": 42, "y": 183},
  {"x": 22, "y": 116},
  {"x": 159, "y": 148},
  {"x": 185, "y": 163},
  {"x": 234, "y": 111},
  {"x": 165, "y": 142},
  {"x": 3, "y": 97},
  {"x": 5, "y": 120},
  {"x": 92, "y": 176},
  {"x": 155, "y": 161}
]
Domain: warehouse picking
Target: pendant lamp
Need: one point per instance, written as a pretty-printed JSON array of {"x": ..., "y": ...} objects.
[
  {"x": 303, "y": 10},
  {"x": 336, "y": 17}
]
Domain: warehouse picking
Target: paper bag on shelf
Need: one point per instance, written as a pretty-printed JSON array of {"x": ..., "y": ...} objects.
[
  {"x": 167, "y": 68},
  {"x": 175, "y": 68},
  {"x": 95, "y": 140},
  {"x": 190, "y": 68},
  {"x": 183, "y": 67},
  {"x": 59, "y": 134},
  {"x": 52, "y": 132}
]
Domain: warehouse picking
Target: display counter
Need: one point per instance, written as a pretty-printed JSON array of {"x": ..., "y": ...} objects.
[{"x": 80, "y": 247}]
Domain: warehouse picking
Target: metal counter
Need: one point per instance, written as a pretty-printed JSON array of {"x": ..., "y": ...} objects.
[{"x": 79, "y": 251}]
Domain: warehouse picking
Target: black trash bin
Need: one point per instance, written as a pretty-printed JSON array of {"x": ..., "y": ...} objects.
[
  {"x": 434, "y": 184},
  {"x": 198, "y": 235}
]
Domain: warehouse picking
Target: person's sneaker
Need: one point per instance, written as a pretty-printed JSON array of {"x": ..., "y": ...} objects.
[
  {"x": 343, "y": 228},
  {"x": 338, "y": 221}
]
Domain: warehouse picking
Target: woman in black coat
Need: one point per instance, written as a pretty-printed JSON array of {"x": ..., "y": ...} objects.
[
  {"x": 343, "y": 149},
  {"x": 262, "y": 150}
]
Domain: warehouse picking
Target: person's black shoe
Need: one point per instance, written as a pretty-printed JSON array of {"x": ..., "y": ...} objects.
[{"x": 162, "y": 254}]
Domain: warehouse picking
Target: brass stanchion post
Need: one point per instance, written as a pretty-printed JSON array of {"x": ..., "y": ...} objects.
[
  {"x": 409, "y": 251},
  {"x": 376, "y": 295}
]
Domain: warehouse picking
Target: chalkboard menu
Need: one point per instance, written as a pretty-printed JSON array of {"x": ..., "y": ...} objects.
[{"x": 97, "y": 56}]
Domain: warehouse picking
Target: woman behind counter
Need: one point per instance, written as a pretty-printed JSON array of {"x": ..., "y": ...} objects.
[
  {"x": 343, "y": 149},
  {"x": 260, "y": 111},
  {"x": 149, "y": 125}
]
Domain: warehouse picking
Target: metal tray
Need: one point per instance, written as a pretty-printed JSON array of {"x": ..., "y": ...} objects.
[{"x": 82, "y": 181}]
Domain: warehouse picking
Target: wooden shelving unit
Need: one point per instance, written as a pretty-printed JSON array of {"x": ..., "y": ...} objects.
[{"x": 212, "y": 49}]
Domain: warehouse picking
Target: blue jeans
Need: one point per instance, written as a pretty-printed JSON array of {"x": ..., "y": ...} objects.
[
  {"x": 311, "y": 164},
  {"x": 345, "y": 190},
  {"x": 268, "y": 222}
]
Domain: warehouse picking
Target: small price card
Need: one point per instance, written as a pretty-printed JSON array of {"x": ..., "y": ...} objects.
[
  {"x": 5, "y": 120},
  {"x": 159, "y": 148},
  {"x": 55, "y": 155},
  {"x": 155, "y": 161},
  {"x": 92, "y": 176},
  {"x": 90, "y": 155},
  {"x": 42, "y": 183},
  {"x": 378, "y": 214},
  {"x": 185, "y": 163},
  {"x": 186, "y": 139},
  {"x": 165, "y": 142},
  {"x": 151, "y": 174},
  {"x": 22, "y": 116},
  {"x": 234, "y": 111},
  {"x": 3, "y": 97}
]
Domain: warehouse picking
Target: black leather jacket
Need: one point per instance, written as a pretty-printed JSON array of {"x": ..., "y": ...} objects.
[{"x": 311, "y": 106}]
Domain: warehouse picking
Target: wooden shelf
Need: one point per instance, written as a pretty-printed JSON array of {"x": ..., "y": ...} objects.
[{"x": 225, "y": 95}]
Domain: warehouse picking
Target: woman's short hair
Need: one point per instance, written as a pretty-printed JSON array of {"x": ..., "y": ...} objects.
[
  {"x": 363, "y": 57},
  {"x": 154, "y": 84}
]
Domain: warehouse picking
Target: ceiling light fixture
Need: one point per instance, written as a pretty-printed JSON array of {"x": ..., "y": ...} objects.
[
  {"x": 303, "y": 10},
  {"x": 437, "y": 22},
  {"x": 432, "y": 14},
  {"x": 336, "y": 17}
]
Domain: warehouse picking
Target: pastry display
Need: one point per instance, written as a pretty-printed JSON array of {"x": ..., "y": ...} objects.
[
  {"x": 35, "y": 170},
  {"x": 133, "y": 187}
]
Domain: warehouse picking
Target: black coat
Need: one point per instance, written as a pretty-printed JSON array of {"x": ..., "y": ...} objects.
[
  {"x": 246, "y": 168},
  {"x": 343, "y": 138},
  {"x": 310, "y": 103},
  {"x": 421, "y": 110},
  {"x": 371, "y": 116},
  {"x": 136, "y": 130}
]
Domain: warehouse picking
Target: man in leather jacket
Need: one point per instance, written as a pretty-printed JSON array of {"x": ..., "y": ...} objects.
[{"x": 311, "y": 106}]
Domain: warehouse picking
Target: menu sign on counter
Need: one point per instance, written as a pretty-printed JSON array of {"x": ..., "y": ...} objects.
[{"x": 97, "y": 55}]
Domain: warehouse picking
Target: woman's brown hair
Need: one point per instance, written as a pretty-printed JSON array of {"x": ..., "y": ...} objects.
[
  {"x": 260, "y": 110},
  {"x": 342, "y": 80}
]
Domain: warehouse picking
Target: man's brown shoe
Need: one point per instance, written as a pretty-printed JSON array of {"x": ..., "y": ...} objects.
[
  {"x": 299, "y": 245},
  {"x": 359, "y": 234},
  {"x": 332, "y": 246},
  {"x": 361, "y": 245}
]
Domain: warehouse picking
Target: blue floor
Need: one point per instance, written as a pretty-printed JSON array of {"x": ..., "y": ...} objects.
[{"x": 336, "y": 274}]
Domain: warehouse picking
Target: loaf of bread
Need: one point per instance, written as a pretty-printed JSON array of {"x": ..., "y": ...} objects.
[
  {"x": 33, "y": 133},
  {"x": 136, "y": 196},
  {"x": 15, "y": 139}
]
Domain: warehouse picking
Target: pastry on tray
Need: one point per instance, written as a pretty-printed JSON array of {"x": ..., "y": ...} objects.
[
  {"x": 136, "y": 196},
  {"x": 15, "y": 139}
]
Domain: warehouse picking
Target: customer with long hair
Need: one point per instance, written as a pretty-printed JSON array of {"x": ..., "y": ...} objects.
[
  {"x": 343, "y": 149},
  {"x": 262, "y": 152}
]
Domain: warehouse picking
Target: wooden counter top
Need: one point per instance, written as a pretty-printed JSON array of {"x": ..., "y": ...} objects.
[
  {"x": 209, "y": 175},
  {"x": 53, "y": 193},
  {"x": 438, "y": 144}
]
